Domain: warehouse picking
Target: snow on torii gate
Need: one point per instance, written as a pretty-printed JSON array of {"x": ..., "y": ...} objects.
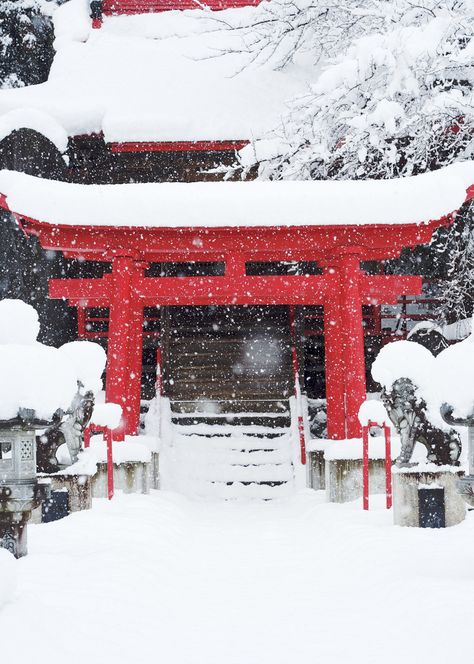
[{"x": 339, "y": 224}]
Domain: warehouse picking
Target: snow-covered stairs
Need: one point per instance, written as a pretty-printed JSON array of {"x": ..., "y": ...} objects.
[{"x": 239, "y": 455}]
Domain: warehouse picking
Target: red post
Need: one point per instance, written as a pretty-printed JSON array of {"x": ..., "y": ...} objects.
[
  {"x": 334, "y": 361},
  {"x": 353, "y": 348},
  {"x": 297, "y": 388},
  {"x": 87, "y": 437},
  {"x": 110, "y": 463},
  {"x": 388, "y": 466},
  {"x": 365, "y": 466},
  {"x": 134, "y": 369},
  {"x": 120, "y": 325}
]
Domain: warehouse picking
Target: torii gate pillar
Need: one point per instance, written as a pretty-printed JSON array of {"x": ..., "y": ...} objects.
[
  {"x": 125, "y": 343},
  {"x": 344, "y": 347}
]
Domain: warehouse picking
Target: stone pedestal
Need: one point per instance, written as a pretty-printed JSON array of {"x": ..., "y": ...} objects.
[
  {"x": 316, "y": 470},
  {"x": 343, "y": 479},
  {"x": 154, "y": 477},
  {"x": 129, "y": 477},
  {"x": 411, "y": 487},
  {"x": 79, "y": 489},
  {"x": 13, "y": 533}
]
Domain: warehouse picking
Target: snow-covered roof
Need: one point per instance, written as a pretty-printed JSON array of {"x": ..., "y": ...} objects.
[
  {"x": 156, "y": 77},
  {"x": 260, "y": 203}
]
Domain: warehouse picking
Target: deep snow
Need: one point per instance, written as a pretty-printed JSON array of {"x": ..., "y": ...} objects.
[{"x": 160, "y": 579}]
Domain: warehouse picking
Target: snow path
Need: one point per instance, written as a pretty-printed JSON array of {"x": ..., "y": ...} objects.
[{"x": 161, "y": 579}]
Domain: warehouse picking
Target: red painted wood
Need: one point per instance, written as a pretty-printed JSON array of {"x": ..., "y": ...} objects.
[
  {"x": 120, "y": 329},
  {"x": 110, "y": 463},
  {"x": 177, "y": 146},
  {"x": 134, "y": 367},
  {"x": 365, "y": 467},
  {"x": 304, "y": 243},
  {"x": 388, "y": 465},
  {"x": 334, "y": 364},
  {"x": 352, "y": 348},
  {"x": 117, "y": 7}
]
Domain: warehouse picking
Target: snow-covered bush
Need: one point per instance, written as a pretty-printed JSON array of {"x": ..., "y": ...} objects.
[{"x": 395, "y": 98}]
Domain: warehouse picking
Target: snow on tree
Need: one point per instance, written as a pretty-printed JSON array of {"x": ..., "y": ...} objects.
[
  {"x": 26, "y": 37},
  {"x": 393, "y": 92},
  {"x": 456, "y": 245}
]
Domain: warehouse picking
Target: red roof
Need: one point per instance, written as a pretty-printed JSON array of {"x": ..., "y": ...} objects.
[{"x": 117, "y": 7}]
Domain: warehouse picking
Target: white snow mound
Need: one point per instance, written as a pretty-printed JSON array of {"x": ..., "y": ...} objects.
[
  {"x": 19, "y": 323},
  {"x": 34, "y": 377},
  {"x": 454, "y": 369},
  {"x": 88, "y": 360},
  {"x": 8, "y": 577},
  {"x": 404, "y": 359},
  {"x": 373, "y": 410}
]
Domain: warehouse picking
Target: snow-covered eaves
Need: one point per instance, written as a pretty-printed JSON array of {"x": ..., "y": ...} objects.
[
  {"x": 173, "y": 76},
  {"x": 413, "y": 200}
]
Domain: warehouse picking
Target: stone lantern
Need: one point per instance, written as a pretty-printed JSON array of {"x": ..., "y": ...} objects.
[{"x": 20, "y": 490}]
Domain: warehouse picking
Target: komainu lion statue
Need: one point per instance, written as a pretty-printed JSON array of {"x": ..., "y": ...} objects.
[
  {"x": 69, "y": 431},
  {"x": 407, "y": 413}
]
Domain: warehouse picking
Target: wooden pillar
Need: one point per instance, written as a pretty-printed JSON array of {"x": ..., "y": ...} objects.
[
  {"x": 135, "y": 357},
  {"x": 353, "y": 346},
  {"x": 120, "y": 327},
  {"x": 334, "y": 359}
]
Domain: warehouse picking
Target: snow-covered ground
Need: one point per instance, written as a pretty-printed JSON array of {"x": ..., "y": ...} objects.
[{"x": 161, "y": 579}]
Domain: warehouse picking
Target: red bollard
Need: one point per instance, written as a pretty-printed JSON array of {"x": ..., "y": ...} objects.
[
  {"x": 110, "y": 463},
  {"x": 365, "y": 466},
  {"x": 388, "y": 465}
]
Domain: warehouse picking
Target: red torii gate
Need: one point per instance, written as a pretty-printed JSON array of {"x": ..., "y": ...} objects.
[{"x": 342, "y": 289}]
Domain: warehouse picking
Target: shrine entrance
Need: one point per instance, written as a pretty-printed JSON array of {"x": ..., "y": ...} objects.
[{"x": 339, "y": 248}]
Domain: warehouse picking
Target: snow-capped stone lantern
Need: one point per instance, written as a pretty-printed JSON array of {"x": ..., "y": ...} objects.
[
  {"x": 20, "y": 490},
  {"x": 37, "y": 386}
]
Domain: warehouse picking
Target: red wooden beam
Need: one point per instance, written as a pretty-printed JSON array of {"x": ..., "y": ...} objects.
[
  {"x": 118, "y": 7},
  {"x": 386, "y": 289},
  {"x": 177, "y": 146},
  {"x": 199, "y": 290},
  {"x": 159, "y": 243},
  {"x": 99, "y": 290}
]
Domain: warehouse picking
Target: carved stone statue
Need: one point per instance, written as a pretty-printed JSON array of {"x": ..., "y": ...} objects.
[
  {"x": 408, "y": 414},
  {"x": 69, "y": 431}
]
